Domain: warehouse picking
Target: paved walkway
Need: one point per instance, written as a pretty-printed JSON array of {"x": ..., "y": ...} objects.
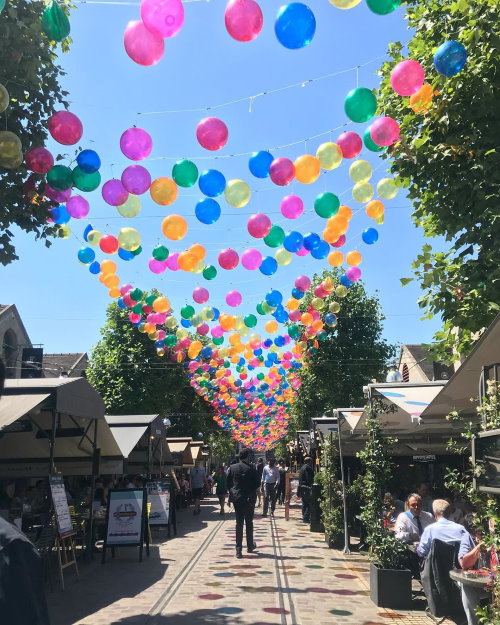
[{"x": 194, "y": 579}]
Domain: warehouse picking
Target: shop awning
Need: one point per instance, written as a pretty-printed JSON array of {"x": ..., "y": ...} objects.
[
  {"x": 127, "y": 438},
  {"x": 12, "y": 407},
  {"x": 351, "y": 416}
]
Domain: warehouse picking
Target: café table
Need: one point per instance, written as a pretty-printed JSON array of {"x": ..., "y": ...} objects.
[{"x": 476, "y": 578}]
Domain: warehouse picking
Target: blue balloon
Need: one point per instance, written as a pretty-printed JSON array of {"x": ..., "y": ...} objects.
[
  {"x": 95, "y": 267},
  {"x": 206, "y": 352},
  {"x": 297, "y": 293},
  {"x": 212, "y": 182},
  {"x": 330, "y": 319},
  {"x": 267, "y": 343},
  {"x": 274, "y": 298},
  {"x": 207, "y": 211},
  {"x": 185, "y": 323},
  {"x": 344, "y": 281},
  {"x": 279, "y": 341},
  {"x": 125, "y": 254},
  {"x": 121, "y": 304},
  {"x": 88, "y": 161},
  {"x": 281, "y": 315},
  {"x": 259, "y": 164},
  {"x": 295, "y": 25},
  {"x": 86, "y": 255},
  {"x": 293, "y": 241},
  {"x": 88, "y": 229},
  {"x": 450, "y": 58},
  {"x": 216, "y": 313},
  {"x": 311, "y": 241},
  {"x": 370, "y": 236},
  {"x": 268, "y": 266},
  {"x": 60, "y": 215},
  {"x": 321, "y": 251}
]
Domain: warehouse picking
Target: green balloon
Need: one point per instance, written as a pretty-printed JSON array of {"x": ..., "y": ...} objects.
[
  {"x": 150, "y": 299},
  {"x": 275, "y": 237},
  {"x": 360, "y": 105},
  {"x": 326, "y": 204},
  {"x": 170, "y": 340},
  {"x": 210, "y": 272},
  {"x": 137, "y": 251},
  {"x": 60, "y": 177},
  {"x": 383, "y": 7},
  {"x": 260, "y": 310},
  {"x": 55, "y": 22},
  {"x": 250, "y": 321},
  {"x": 322, "y": 336},
  {"x": 268, "y": 310},
  {"x": 218, "y": 341},
  {"x": 137, "y": 309},
  {"x": 260, "y": 376},
  {"x": 187, "y": 311},
  {"x": 185, "y": 173},
  {"x": 294, "y": 331},
  {"x": 160, "y": 252},
  {"x": 136, "y": 295},
  {"x": 86, "y": 182},
  {"x": 2, "y": 5},
  {"x": 370, "y": 143}
]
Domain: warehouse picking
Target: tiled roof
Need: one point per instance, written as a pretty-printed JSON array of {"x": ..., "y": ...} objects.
[{"x": 420, "y": 354}]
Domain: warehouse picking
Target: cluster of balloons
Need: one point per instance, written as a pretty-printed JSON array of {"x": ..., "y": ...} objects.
[{"x": 144, "y": 39}]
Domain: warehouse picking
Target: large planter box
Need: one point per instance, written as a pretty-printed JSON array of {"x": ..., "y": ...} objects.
[
  {"x": 316, "y": 524},
  {"x": 335, "y": 542},
  {"x": 390, "y": 588}
]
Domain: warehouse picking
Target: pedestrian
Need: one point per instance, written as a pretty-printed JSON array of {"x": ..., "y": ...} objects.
[
  {"x": 260, "y": 468},
  {"x": 198, "y": 480},
  {"x": 282, "y": 482},
  {"x": 243, "y": 482},
  {"x": 306, "y": 477},
  {"x": 270, "y": 480},
  {"x": 221, "y": 488}
]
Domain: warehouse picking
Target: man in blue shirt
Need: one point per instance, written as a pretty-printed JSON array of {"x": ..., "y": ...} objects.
[{"x": 444, "y": 529}]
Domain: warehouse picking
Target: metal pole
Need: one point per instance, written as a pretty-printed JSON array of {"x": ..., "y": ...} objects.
[
  {"x": 346, "y": 551},
  {"x": 90, "y": 543},
  {"x": 52, "y": 442}
]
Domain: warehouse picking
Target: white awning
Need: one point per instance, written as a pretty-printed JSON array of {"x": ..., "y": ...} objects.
[
  {"x": 127, "y": 438},
  {"x": 12, "y": 407}
]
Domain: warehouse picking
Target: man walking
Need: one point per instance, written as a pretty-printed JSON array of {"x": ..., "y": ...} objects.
[
  {"x": 243, "y": 482},
  {"x": 260, "y": 468},
  {"x": 306, "y": 477},
  {"x": 282, "y": 482},
  {"x": 198, "y": 480},
  {"x": 270, "y": 480}
]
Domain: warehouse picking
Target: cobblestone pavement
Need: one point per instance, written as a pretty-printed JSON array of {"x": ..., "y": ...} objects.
[{"x": 194, "y": 579}]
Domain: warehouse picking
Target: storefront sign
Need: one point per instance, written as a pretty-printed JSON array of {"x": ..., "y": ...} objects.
[
  {"x": 159, "y": 496},
  {"x": 427, "y": 458},
  {"x": 125, "y": 517},
  {"x": 60, "y": 501}
]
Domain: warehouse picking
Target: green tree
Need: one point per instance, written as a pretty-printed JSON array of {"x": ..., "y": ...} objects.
[
  {"x": 448, "y": 161},
  {"x": 223, "y": 447},
  {"x": 352, "y": 354},
  {"x": 131, "y": 379},
  {"x": 31, "y": 76}
]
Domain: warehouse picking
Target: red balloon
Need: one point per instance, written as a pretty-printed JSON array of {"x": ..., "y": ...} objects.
[{"x": 109, "y": 244}]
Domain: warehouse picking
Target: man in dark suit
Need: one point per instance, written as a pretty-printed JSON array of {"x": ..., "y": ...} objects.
[
  {"x": 243, "y": 481},
  {"x": 306, "y": 478}
]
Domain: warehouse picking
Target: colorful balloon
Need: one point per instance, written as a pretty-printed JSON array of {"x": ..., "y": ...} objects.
[
  {"x": 407, "y": 77},
  {"x": 130, "y": 208},
  {"x": 384, "y": 131},
  {"x": 350, "y": 144},
  {"x": 369, "y": 144},
  {"x": 344, "y": 4},
  {"x": 60, "y": 177},
  {"x": 65, "y": 128},
  {"x": 85, "y": 182},
  {"x": 136, "y": 144},
  {"x": 362, "y": 192},
  {"x": 174, "y": 227},
  {"x": 136, "y": 179},
  {"x": 282, "y": 171},
  {"x": 200, "y": 295},
  {"x": 383, "y": 7},
  {"x": 185, "y": 173},
  {"x": 237, "y": 193},
  {"x": 360, "y": 171},
  {"x": 234, "y": 299},
  {"x": 141, "y": 45},
  {"x": 163, "y": 191},
  {"x": 251, "y": 259},
  {"x": 4, "y": 94},
  {"x": 421, "y": 101},
  {"x": 329, "y": 155},
  {"x": 259, "y": 225},
  {"x": 108, "y": 244},
  {"x": 129, "y": 239},
  {"x": 370, "y": 236},
  {"x": 114, "y": 193},
  {"x": 88, "y": 161},
  {"x": 164, "y": 18},
  {"x": 55, "y": 22},
  {"x": 450, "y": 58},
  {"x": 39, "y": 160},
  {"x": 360, "y": 104},
  {"x": 228, "y": 259},
  {"x": 212, "y": 133},
  {"x": 387, "y": 188},
  {"x": 259, "y": 164},
  {"x": 291, "y": 207},
  {"x": 207, "y": 211},
  {"x": 293, "y": 241},
  {"x": 326, "y": 204},
  {"x": 307, "y": 168},
  {"x": 243, "y": 19},
  {"x": 268, "y": 266},
  {"x": 374, "y": 209},
  {"x": 78, "y": 207},
  {"x": 212, "y": 183},
  {"x": 275, "y": 236},
  {"x": 295, "y": 25}
]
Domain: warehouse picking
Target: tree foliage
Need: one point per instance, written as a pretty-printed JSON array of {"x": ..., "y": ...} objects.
[
  {"x": 131, "y": 379},
  {"x": 223, "y": 447},
  {"x": 353, "y": 353},
  {"x": 31, "y": 75},
  {"x": 449, "y": 161}
]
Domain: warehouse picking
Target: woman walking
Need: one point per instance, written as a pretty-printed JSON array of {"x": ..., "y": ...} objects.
[{"x": 221, "y": 488}]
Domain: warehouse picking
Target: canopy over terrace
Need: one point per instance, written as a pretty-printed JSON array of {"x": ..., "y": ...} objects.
[
  {"x": 142, "y": 442},
  {"x": 54, "y": 424},
  {"x": 181, "y": 451}
]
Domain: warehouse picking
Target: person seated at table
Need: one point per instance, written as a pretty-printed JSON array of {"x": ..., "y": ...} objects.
[
  {"x": 391, "y": 508},
  {"x": 423, "y": 491},
  {"x": 456, "y": 514},
  {"x": 468, "y": 556},
  {"x": 444, "y": 529},
  {"x": 410, "y": 525}
]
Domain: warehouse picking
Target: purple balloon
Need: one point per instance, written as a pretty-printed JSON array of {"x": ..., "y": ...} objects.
[
  {"x": 157, "y": 266},
  {"x": 251, "y": 259},
  {"x": 163, "y": 18},
  {"x": 136, "y": 144},
  {"x": 136, "y": 179},
  {"x": 291, "y": 207},
  {"x": 114, "y": 193},
  {"x": 353, "y": 274},
  {"x": 56, "y": 195},
  {"x": 77, "y": 206}
]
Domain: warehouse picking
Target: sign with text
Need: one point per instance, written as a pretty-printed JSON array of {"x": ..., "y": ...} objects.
[
  {"x": 125, "y": 517},
  {"x": 60, "y": 501},
  {"x": 159, "y": 495}
]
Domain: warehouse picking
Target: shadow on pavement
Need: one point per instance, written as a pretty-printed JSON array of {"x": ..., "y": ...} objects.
[{"x": 219, "y": 616}]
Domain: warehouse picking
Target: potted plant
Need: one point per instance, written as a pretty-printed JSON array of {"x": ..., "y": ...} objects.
[{"x": 331, "y": 498}]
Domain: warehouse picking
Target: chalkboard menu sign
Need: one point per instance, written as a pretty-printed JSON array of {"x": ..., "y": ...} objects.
[{"x": 60, "y": 501}]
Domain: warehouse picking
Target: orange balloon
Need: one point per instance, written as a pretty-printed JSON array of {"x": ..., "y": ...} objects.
[
  {"x": 317, "y": 325},
  {"x": 353, "y": 258},
  {"x": 271, "y": 326},
  {"x": 339, "y": 223},
  {"x": 174, "y": 227},
  {"x": 335, "y": 258},
  {"x": 292, "y": 304},
  {"x": 234, "y": 338},
  {"x": 198, "y": 250},
  {"x": 115, "y": 293},
  {"x": 227, "y": 322},
  {"x": 111, "y": 280},
  {"x": 187, "y": 261},
  {"x": 149, "y": 327},
  {"x": 344, "y": 211},
  {"x": 374, "y": 209},
  {"x": 163, "y": 191},
  {"x": 331, "y": 235},
  {"x": 328, "y": 284},
  {"x": 307, "y": 168},
  {"x": 306, "y": 318},
  {"x": 161, "y": 304},
  {"x": 108, "y": 266},
  {"x": 421, "y": 101}
]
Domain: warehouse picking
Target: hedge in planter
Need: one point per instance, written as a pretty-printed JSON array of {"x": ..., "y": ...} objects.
[{"x": 331, "y": 503}]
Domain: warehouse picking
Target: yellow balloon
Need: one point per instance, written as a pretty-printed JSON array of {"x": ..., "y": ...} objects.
[
  {"x": 344, "y": 4},
  {"x": 282, "y": 256},
  {"x": 329, "y": 155},
  {"x": 317, "y": 303},
  {"x": 341, "y": 291},
  {"x": 11, "y": 162},
  {"x": 131, "y": 207},
  {"x": 207, "y": 313},
  {"x": 4, "y": 98},
  {"x": 129, "y": 239},
  {"x": 360, "y": 171},
  {"x": 328, "y": 284},
  {"x": 93, "y": 237},
  {"x": 387, "y": 188},
  {"x": 334, "y": 307},
  {"x": 64, "y": 231},
  {"x": 163, "y": 191},
  {"x": 353, "y": 258},
  {"x": 379, "y": 220},
  {"x": 10, "y": 145},
  {"x": 199, "y": 267},
  {"x": 244, "y": 331},
  {"x": 362, "y": 192},
  {"x": 196, "y": 321},
  {"x": 181, "y": 333},
  {"x": 171, "y": 322},
  {"x": 237, "y": 193},
  {"x": 307, "y": 168}
]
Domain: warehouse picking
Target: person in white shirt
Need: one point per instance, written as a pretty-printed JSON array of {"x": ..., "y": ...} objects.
[
  {"x": 270, "y": 481},
  {"x": 410, "y": 525}
]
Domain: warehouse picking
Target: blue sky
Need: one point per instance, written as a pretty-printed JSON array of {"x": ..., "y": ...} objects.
[{"x": 63, "y": 305}]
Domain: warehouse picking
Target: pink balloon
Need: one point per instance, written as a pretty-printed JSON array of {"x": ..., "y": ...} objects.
[
  {"x": 203, "y": 329},
  {"x": 77, "y": 206},
  {"x": 217, "y": 332},
  {"x": 134, "y": 317},
  {"x": 407, "y": 77},
  {"x": 282, "y": 171},
  {"x": 136, "y": 144},
  {"x": 136, "y": 179},
  {"x": 163, "y": 18},
  {"x": 234, "y": 298},
  {"x": 353, "y": 274},
  {"x": 172, "y": 263},
  {"x": 259, "y": 225},
  {"x": 65, "y": 128},
  {"x": 142, "y": 45},
  {"x": 291, "y": 207},
  {"x": 251, "y": 259},
  {"x": 302, "y": 252},
  {"x": 157, "y": 266},
  {"x": 212, "y": 133},
  {"x": 384, "y": 131},
  {"x": 340, "y": 241},
  {"x": 228, "y": 259},
  {"x": 302, "y": 283},
  {"x": 243, "y": 19},
  {"x": 126, "y": 288},
  {"x": 200, "y": 295},
  {"x": 56, "y": 195},
  {"x": 350, "y": 144},
  {"x": 114, "y": 193},
  {"x": 39, "y": 160},
  {"x": 294, "y": 315}
]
